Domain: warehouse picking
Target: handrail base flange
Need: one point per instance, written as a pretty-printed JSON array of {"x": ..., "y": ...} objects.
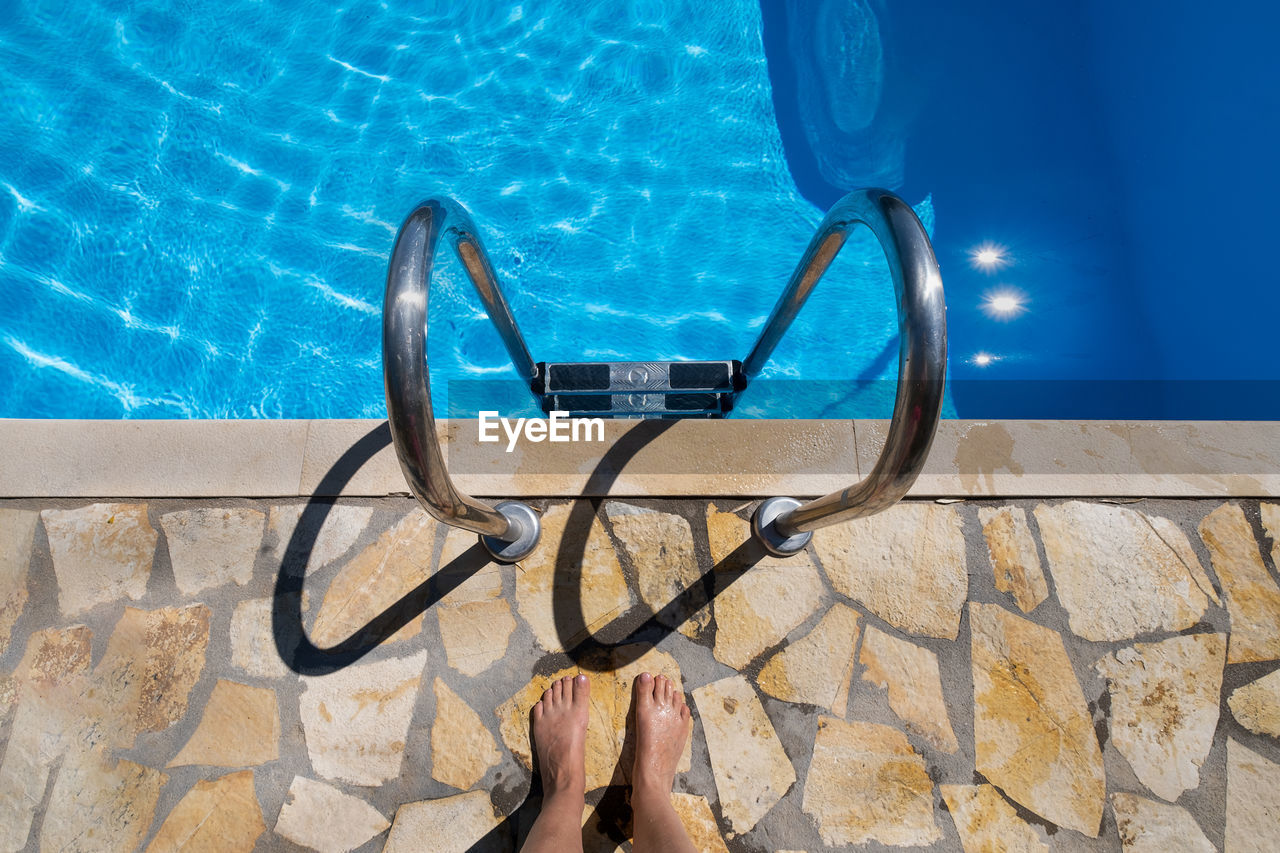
[
  {"x": 523, "y": 518},
  {"x": 763, "y": 527}
]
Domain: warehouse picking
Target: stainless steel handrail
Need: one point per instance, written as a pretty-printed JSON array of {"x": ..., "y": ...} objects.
[
  {"x": 510, "y": 530},
  {"x": 784, "y": 525}
]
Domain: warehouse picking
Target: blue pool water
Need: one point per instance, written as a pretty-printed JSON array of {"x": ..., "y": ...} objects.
[{"x": 197, "y": 200}]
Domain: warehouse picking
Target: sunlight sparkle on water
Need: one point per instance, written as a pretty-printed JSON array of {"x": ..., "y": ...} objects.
[
  {"x": 989, "y": 257},
  {"x": 1004, "y": 304}
]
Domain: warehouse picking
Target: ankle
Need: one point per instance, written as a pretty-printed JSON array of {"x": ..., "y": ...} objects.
[
  {"x": 559, "y": 785},
  {"x": 646, "y": 786}
]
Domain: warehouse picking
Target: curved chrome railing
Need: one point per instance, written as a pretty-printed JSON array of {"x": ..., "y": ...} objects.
[
  {"x": 510, "y": 530},
  {"x": 784, "y": 525}
]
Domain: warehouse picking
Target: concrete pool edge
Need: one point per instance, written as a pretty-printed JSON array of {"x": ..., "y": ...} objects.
[{"x": 746, "y": 458}]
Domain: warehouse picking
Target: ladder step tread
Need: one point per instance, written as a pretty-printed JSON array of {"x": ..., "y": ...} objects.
[
  {"x": 646, "y": 389},
  {"x": 640, "y": 376}
]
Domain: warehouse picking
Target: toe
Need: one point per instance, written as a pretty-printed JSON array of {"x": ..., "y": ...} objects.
[
  {"x": 581, "y": 689},
  {"x": 644, "y": 686},
  {"x": 546, "y": 696},
  {"x": 537, "y": 710}
]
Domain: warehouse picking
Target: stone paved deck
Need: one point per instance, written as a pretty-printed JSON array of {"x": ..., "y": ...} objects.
[{"x": 234, "y": 674}]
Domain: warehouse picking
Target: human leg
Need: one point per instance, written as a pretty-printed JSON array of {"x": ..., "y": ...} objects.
[
  {"x": 559, "y": 735},
  {"x": 663, "y": 722}
]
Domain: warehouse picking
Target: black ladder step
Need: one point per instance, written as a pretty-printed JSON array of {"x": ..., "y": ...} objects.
[{"x": 647, "y": 389}]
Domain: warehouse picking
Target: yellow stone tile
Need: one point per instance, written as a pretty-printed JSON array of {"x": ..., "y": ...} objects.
[
  {"x": 1114, "y": 574},
  {"x": 33, "y": 745},
  {"x": 375, "y": 579},
  {"x": 240, "y": 728},
  {"x": 987, "y": 823},
  {"x": 572, "y": 573},
  {"x": 212, "y": 546},
  {"x": 462, "y": 749},
  {"x": 356, "y": 720},
  {"x": 866, "y": 783},
  {"x": 475, "y": 621},
  {"x": 53, "y": 657},
  {"x": 17, "y": 532},
  {"x": 1271, "y": 523},
  {"x": 340, "y": 529},
  {"x": 48, "y": 690},
  {"x": 751, "y": 768},
  {"x": 1164, "y": 707},
  {"x": 1257, "y": 705},
  {"x": 699, "y": 822},
  {"x": 1033, "y": 733},
  {"x": 756, "y": 609},
  {"x": 1253, "y": 800},
  {"x": 457, "y": 824},
  {"x": 463, "y": 553},
  {"x": 1253, "y": 599},
  {"x": 906, "y": 565},
  {"x": 909, "y": 674},
  {"x": 661, "y": 548},
  {"x": 1173, "y": 536},
  {"x": 99, "y": 804},
  {"x": 153, "y": 660},
  {"x": 218, "y": 816},
  {"x": 101, "y": 553},
  {"x": 1146, "y": 826},
  {"x": 475, "y": 634},
  {"x": 321, "y": 817},
  {"x": 253, "y": 645},
  {"x": 816, "y": 669},
  {"x": 1012, "y": 551}
]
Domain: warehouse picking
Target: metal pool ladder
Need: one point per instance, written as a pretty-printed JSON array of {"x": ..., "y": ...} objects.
[{"x": 510, "y": 530}]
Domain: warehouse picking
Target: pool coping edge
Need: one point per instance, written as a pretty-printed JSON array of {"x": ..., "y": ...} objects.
[{"x": 731, "y": 458}]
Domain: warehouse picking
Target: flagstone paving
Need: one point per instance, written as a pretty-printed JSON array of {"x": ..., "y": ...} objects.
[{"x": 1023, "y": 675}]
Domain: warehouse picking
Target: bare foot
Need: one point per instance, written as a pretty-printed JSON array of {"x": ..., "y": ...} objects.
[
  {"x": 662, "y": 727},
  {"x": 560, "y": 735}
]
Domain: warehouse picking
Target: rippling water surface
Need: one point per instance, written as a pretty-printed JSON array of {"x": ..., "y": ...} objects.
[{"x": 197, "y": 200}]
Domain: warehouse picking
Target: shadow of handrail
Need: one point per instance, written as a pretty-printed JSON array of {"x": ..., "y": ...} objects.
[{"x": 292, "y": 643}]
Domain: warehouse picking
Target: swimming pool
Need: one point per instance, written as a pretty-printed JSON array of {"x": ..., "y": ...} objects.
[{"x": 196, "y": 206}]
